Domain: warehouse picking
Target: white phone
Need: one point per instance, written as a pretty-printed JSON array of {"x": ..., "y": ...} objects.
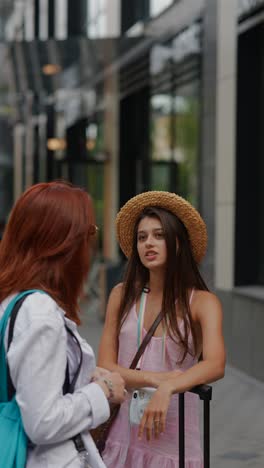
[{"x": 139, "y": 401}]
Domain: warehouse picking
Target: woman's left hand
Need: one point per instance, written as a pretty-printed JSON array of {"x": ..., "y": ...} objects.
[
  {"x": 154, "y": 417},
  {"x": 157, "y": 378}
]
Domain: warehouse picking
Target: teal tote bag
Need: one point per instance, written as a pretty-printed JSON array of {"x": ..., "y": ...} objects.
[{"x": 13, "y": 439}]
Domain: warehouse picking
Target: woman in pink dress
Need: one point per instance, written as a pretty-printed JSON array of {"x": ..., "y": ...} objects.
[{"x": 164, "y": 239}]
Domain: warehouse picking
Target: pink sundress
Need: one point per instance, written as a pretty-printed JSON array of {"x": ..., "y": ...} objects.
[{"x": 123, "y": 449}]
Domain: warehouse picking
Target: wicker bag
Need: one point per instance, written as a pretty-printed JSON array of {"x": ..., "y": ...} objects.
[{"x": 100, "y": 433}]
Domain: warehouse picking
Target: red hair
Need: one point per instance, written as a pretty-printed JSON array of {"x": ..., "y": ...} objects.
[{"x": 46, "y": 244}]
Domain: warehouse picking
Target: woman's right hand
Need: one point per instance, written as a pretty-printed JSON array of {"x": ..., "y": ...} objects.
[{"x": 113, "y": 386}]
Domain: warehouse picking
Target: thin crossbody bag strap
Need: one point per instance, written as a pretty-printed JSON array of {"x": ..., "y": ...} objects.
[{"x": 146, "y": 340}]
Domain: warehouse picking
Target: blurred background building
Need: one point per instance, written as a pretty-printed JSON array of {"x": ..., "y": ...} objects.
[{"x": 124, "y": 96}]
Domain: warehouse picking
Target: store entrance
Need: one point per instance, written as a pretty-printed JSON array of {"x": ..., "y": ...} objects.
[{"x": 250, "y": 162}]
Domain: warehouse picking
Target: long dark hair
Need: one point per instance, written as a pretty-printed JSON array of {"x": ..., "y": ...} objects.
[{"x": 181, "y": 275}]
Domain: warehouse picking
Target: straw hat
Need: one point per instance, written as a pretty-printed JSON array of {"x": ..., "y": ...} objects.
[{"x": 129, "y": 213}]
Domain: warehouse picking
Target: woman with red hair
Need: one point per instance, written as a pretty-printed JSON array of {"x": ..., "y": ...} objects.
[{"x": 46, "y": 247}]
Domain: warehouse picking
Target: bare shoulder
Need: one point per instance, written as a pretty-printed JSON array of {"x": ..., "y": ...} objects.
[
  {"x": 116, "y": 292},
  {"x": 114, "y": 300},
  {"x": 205, "y": 303},
  {"x": 205, "y": 298}
]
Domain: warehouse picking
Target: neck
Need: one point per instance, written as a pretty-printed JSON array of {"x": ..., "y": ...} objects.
[{"x": 156, "y": 282}]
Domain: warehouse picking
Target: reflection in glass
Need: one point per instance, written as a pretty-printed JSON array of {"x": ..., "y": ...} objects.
[
  {"x": 161, "y": 175},
  {"x": 95, "y": 186},
  {"x": 186, "y": 139},
  {"x": 157, "y": 6},
  {"x": 6, "y": 193},
  {"x": 90, "y": 176},
  {"x": 160, "y": 130},
  {"x": 174, "y": 137},
  {"x": 97, "y": 18}
]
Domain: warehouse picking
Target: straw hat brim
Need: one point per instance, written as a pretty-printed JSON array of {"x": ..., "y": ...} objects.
[{"x": 129, "y": 213}]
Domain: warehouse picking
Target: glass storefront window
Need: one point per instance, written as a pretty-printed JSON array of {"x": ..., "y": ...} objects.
[
  {"x": 162, "y": 175},
  {"x": 157, "y": 6},
  {"x": 186, "y": 140},
  {"x": 90, "y": 176},
  {"x": 160, "y": 132},
  {"x": 174, "y": 135},
  {"x": 7, "y": 114},
  {"x": 174, "y": 113},
  {"x": 6, "y": 193},
  {"x": 97, "y": 18},
  {"x": 95, "y": 186}
]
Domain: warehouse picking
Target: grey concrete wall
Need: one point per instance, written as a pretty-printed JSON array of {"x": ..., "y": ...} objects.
[
  {"x": 243, "y": 331},
  {"x": 208, "y": 133},
  {"x": 225, "y": 143},
  {"x": 218, "y": 139}
]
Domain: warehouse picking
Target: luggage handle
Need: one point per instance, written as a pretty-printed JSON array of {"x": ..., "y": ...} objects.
[{"x": 205, "y": 394}]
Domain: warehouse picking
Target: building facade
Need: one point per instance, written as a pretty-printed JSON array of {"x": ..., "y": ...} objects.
[
  {"x": 242, "y": 98},
  {"x": 122, "y": 97}
]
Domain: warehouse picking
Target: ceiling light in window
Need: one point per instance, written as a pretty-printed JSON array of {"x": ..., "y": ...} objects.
[
  {"x": 56, "y": 144},
  {"x": 51, "y": 69}
]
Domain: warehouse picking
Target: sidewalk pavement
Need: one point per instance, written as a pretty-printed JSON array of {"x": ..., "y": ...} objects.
[
  {"x": 237, "y": 422},
  {"x": 237, "y": 411}
]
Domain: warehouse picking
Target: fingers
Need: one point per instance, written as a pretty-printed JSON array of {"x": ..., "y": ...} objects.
[
  {"x": 157, "y": 423},
  {"x": 142, "y": 426},
  {"x": 156, "y": 428},
  {"x": 162, "y": 422},
  {"x": 116, "y": 387},
  {"x": 146, "y": 424},
  {"x": 102, "y": 371},
  {"x": 153, "y": 424},
  {"x": 149, "y": 429},
  {"x": 98, "y": 373}
]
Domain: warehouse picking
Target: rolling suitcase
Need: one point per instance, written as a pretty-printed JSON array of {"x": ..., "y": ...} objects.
[{"x": 205, "y": 394}]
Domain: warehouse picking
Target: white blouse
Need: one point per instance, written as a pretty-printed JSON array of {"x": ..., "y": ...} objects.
[{"x": 37, "y": 360}]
